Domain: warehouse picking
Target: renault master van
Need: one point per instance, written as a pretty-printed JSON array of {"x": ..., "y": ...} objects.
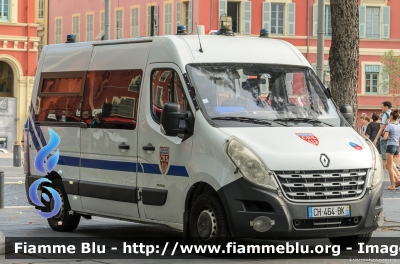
[{"x": 238, "y": 139}]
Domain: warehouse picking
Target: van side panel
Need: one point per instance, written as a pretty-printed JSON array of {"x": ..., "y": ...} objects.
[
  {"x": 66, "y": 58},
  {"x": 122, "y": 56},
  {"x": 112, "y": 83}
]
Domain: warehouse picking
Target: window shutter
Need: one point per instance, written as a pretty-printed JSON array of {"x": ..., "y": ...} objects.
[
  {"x": 87, "y": 28},
  {"x": 266, "y": 16},
  {"x": 362, "y": 11},
  {"x": 137, "y": 22},
  {"x": 149, "y": 22},
  {"x": 291, "y": 19},
  {"x": 386, "y": 22},
  {"x": 315, "y": 20},
  {"x": 247, "y": 18},
  {"x": 178, "y": 16},
  {"x": 190, "y": 22},
  {"x": 155, "y": 20},
  {"x": 385, "y": 81},
  {"x": 222, "y": 9}
]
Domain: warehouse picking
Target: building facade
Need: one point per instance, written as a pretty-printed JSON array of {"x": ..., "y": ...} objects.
[
  {"x": 292, "y": 20},
  {"x": 18, "y": 59},
  {"x": 41, "y": 18}
]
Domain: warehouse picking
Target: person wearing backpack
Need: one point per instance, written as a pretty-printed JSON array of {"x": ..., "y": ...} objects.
[
  {"x": 386, "y": 106},
  {"x": 392, "y": 135}
]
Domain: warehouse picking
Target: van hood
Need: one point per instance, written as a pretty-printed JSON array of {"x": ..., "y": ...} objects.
[{"x": 300, "y": 148}]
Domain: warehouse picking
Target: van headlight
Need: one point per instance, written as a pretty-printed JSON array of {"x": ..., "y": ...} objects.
[
  {"x": 251, "y": 167},
  {"x": 376, "y": 173}
]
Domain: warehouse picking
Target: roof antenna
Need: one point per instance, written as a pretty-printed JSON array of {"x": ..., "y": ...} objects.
[{"x": 201, "y": 49}]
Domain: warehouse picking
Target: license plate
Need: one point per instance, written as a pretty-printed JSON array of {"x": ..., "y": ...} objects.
[{"x": 329, "y": 211}]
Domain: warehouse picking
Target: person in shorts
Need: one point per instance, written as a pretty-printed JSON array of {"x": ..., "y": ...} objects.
[
  {"x": 392, "y": 135},
  {"x": 386, "y": 106}
]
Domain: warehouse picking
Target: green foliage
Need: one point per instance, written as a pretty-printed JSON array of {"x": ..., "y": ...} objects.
[{"x": 391, "y": 74}]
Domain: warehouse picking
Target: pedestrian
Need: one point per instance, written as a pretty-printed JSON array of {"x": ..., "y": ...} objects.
[
  {"x": 373, "y": 129},
  {"x": 386, "y": 110},
  {"x": 392, "y": 135},
  {"x": 363, "y": 127}
]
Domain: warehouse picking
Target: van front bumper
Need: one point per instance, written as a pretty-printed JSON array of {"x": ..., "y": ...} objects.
[{"x": 243, "y": 202}]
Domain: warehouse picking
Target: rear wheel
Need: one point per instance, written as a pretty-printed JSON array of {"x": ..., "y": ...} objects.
[
  {"x": 207, "y": 221},
  {"x": 65, "y": 220},
  {"x": 351, "y": 241}
]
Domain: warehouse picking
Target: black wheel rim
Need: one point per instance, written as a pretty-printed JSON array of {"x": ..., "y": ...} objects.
[{"x": 207, "y": 224}]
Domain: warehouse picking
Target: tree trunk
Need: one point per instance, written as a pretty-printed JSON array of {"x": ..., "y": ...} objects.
[{"x": 343, "y": 55}]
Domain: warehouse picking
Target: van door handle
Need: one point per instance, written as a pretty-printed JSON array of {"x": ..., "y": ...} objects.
[
  {"x": 123, "y": 146},
  {"x": 149, "y": 148}
]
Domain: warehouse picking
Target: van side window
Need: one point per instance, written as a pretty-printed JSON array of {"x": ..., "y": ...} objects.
[
  {"x": 166, "y": 87},
  {"x": 59, "y": 99},
  {"x": 110, "y": 99}
]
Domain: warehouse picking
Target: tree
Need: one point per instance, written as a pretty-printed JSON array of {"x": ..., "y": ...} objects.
[
  {"x": 391, "y": 75},
  {"x": 344, "y": 52}
]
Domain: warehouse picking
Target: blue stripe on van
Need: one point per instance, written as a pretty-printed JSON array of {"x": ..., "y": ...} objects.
[
  {"x": 109, "y": 165},
  {"x": 69, "y": 161},
  {"x": 177, "y": 171},
  {"x": 121, "y": 166},
  {"x": 151, "y": 168}
]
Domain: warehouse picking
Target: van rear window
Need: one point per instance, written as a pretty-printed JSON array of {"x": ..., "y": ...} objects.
[{"x": 62, "y": 85}]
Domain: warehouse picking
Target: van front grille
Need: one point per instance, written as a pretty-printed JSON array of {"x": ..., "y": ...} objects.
[{"x": 323, "y": 185}]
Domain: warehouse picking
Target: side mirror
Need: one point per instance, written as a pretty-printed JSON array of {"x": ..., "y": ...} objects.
[
  {"x": 347, "y": 113},
  {"x": 172, "y": 118}
]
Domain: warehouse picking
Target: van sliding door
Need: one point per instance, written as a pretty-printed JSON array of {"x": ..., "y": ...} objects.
[{"x": 109, "y": 144}]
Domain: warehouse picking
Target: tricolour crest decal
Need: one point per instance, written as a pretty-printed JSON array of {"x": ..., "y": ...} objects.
[
  {"x": 354, "y": 145},
  {"x": 309, "y": 137},
  {"x": 164, "y": 159}
]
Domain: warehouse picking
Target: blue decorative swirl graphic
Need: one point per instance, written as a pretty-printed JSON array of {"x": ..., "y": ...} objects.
[
  {"x": 45, "y": 151},
  {"x": 35, "y": 199}
]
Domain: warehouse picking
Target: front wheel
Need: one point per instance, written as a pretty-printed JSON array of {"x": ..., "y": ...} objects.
[
  {"x": 207, "y": 221},
  {"x": 65, "y": 220},
  {"x": 351, "y": 241}
]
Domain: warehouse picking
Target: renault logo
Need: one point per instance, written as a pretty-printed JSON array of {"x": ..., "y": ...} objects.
[{"x": 324, "y": 160}]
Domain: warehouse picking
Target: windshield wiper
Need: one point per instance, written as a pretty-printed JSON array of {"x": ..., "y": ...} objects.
[
  {"x": 244, "y": 119},
  {"x": 301, "y": 119}
]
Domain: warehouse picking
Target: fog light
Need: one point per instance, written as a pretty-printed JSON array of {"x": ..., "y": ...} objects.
[{"x": 262, "y": 223}]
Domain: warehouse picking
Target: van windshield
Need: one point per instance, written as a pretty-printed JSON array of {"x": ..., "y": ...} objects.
[{"x": 261, "y": 91}]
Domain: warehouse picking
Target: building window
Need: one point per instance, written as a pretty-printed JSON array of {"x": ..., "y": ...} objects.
[
  {"x": 4, "y": 10},
  {"x": 118, "y": 23},
  {"x": 373, "y": 22},
  {"x": 41, "y": 9},
  {"x": 75, "y": 27},
  {"x": 102, "y": 21},
  {"x": 168, "y": 19},
  {"x": 328, "y": 22},
  {"x": 277, "y": 18},
  {"x": 89, "y": 27},
  {"x": 372, "y": 78},
  {"x": 186, "y": 14},
  {"x": 58, "y": 30},
  {"x": 135, "y": 22}
]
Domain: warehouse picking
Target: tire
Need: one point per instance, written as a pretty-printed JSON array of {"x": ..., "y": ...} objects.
[
  {"x": 351, "y": 241},
  {"x": 207, "y": 221},
  {"x": 63, "y": 221}
]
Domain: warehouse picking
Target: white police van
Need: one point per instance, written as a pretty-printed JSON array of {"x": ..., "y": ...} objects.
[{"x": 236, "y": 138}]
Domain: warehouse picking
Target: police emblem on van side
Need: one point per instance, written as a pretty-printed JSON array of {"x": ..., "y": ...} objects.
[{"x": 164, "y": 159}]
